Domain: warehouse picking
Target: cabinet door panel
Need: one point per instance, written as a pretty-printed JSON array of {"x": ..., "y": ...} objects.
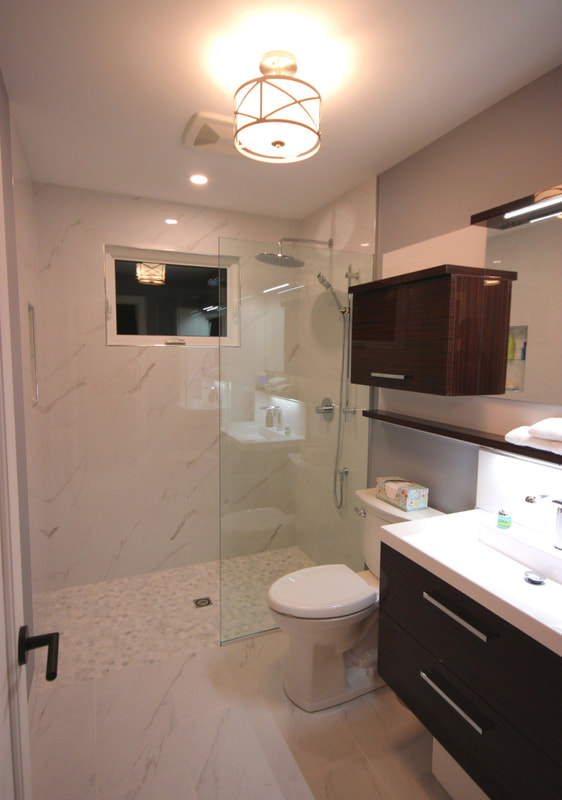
[
  {"x": 500, "y": 759},
  {"x": 520, "y": 678}
]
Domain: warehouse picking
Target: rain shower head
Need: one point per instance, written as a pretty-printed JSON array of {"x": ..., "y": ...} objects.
[{"x": 278, "y": 259}]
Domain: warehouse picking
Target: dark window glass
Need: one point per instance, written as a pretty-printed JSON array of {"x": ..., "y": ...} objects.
[{"x": 190, "y": 302}]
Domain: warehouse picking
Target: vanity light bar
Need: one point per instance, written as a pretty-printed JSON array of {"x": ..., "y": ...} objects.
[{"x": 550, "y": 201}]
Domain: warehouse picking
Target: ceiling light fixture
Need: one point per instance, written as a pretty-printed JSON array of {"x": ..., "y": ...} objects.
[
  {"x": 199, "y": 180},
  {"x": 277, "y": 116},
  {"x": 151, "y": 273}
]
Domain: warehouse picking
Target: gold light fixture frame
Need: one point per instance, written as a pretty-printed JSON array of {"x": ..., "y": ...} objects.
[{"x": 277, "y": 116}]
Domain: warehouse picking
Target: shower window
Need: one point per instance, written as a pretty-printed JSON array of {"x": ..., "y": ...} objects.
[{"x": 156, "y": 297}]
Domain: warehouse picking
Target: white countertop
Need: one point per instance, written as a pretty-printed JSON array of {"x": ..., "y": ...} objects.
[{"x": 449, "y": 547}]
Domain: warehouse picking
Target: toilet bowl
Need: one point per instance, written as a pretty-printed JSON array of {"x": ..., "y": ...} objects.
[{"x": 330, "y": 614}]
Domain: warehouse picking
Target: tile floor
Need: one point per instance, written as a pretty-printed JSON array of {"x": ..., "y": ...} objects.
[{"x": 181, "y": 718}]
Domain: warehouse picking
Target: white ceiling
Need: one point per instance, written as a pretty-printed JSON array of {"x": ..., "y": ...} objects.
[{"x": 101, "y": 90}]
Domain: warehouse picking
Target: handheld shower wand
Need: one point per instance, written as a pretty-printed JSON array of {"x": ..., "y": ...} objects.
[{"x": 327, "y": 285}]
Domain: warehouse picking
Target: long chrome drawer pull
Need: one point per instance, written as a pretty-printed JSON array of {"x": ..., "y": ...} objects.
[
  {"x": 454, "y": 616},
  {"x": 388, "y": 375},
  {"x": 450, "y": 702}
]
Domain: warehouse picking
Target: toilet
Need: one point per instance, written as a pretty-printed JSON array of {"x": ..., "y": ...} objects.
[{"x": 330, "y": 614}]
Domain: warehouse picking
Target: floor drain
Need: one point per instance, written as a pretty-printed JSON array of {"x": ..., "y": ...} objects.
[{"x": 201, "y": 602}]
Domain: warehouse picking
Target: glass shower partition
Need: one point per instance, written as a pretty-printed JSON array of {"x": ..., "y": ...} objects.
[{"x": 277, "y": 449}]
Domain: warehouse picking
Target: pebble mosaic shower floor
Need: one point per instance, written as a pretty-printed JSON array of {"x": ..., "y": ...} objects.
[{"x": 142, "y": 619}]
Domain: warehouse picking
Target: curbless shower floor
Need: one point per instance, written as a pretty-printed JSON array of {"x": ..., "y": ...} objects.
[{"x": 142, "y": 619}]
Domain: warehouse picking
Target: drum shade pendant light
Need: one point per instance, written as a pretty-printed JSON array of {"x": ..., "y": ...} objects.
[
  {"x": 277, "y": 116},
  {"x": 151, "y": 273}
]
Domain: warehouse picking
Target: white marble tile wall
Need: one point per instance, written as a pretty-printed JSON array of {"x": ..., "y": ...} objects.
[
  {"x": 29, "y": 291},
  {"x": 130, "y": 470},
  {"x": 123, "y": 453}
]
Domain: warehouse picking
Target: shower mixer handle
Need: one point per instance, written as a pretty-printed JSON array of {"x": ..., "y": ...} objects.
[{"x": 326, "y": 408}]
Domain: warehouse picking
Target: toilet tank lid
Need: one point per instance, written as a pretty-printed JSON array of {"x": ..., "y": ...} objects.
[
  {"x": 329, "y": 590},
  {"x": 392, "y": 513}
]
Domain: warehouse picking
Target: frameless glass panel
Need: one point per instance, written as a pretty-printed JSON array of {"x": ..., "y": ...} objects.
[{"x": 278, "y": 452}]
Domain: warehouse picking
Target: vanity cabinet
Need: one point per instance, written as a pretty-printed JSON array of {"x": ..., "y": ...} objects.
[
  {"x": 490, "y": 694},
  {"x": 442, "y": 331}
]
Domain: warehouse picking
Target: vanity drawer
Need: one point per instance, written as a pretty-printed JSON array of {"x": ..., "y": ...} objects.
[
  {"x": 520, "y": 678},
  {"x": 497, "y": 756}
]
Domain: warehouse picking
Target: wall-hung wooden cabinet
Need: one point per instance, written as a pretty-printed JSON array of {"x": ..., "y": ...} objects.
[{"x": 442, "y": 330}]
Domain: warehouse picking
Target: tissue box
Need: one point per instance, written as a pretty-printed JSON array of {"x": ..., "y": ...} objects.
[{"x": 401, "y": 493}]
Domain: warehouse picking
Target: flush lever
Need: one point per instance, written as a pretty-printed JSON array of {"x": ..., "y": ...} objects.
[{"x": 48, "y": 640}]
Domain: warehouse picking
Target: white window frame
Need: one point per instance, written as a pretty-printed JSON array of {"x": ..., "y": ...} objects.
[{"x": 231, "y": 263}]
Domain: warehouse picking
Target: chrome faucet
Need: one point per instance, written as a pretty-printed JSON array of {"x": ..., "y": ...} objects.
[{"x": 558, "y": 525}]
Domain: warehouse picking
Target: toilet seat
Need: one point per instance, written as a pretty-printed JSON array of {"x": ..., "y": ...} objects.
[{"x": 322, "y": 592}]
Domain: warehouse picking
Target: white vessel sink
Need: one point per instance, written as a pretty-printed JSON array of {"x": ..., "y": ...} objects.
[
  {"x": 470, "y": 553},
  {"x": 534, "y": 549}
]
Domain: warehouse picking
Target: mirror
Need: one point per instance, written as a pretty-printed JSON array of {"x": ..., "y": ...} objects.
[{"x": 526, "y": 236}]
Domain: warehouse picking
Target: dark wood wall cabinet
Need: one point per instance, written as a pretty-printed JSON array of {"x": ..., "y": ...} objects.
[
  {"x": 442, "y": 331},
  {"x": 490, "y": 694}
]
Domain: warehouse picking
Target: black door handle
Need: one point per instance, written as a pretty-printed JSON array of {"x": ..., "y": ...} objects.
[{"x": 48, "y": 640}]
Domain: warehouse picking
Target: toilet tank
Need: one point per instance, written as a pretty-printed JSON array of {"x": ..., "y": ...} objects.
[{"x": 379, "y": 513}]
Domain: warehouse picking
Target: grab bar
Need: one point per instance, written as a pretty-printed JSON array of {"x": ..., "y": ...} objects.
[{"x": 33, "y": 353}]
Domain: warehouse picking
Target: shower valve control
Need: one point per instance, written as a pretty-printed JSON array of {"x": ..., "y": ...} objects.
[{"x": 327, "y": 409}]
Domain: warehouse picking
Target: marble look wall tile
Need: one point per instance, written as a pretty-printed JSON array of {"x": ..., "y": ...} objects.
[{"x": 131, "y": 409}]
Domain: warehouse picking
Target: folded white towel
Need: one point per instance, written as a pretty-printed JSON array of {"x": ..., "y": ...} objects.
[
  {"x": 523, "y": 437},
  {"x": 550, "y": 428}
]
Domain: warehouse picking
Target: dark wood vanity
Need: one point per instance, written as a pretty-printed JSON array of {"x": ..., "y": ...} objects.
[
  {"x": 442, "y": 330},
  {"x": 489, "y": 693}
]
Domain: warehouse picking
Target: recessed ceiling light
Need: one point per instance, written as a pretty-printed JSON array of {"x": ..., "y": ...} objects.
[
  {"x": 199, "y": 180},
  {"x": 171, "y": 221}
]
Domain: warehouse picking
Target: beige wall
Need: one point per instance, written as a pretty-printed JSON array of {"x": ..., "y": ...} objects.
[
  {"x": 508, "y": 151},
  {"x": 424, "y": 206}
]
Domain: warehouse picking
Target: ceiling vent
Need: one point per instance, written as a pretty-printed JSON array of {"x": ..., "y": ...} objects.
[{"x": 209, "y": 133}]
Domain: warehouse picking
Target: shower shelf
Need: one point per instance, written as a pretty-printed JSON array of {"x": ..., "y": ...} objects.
[{"x": 482, "y": 438}]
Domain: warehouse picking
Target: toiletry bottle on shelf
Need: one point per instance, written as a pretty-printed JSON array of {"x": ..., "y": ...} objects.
[{"x": 504, "y": 518}]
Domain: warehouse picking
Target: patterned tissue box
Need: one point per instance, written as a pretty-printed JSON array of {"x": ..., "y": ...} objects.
[{"x": 402, "y": 493}]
